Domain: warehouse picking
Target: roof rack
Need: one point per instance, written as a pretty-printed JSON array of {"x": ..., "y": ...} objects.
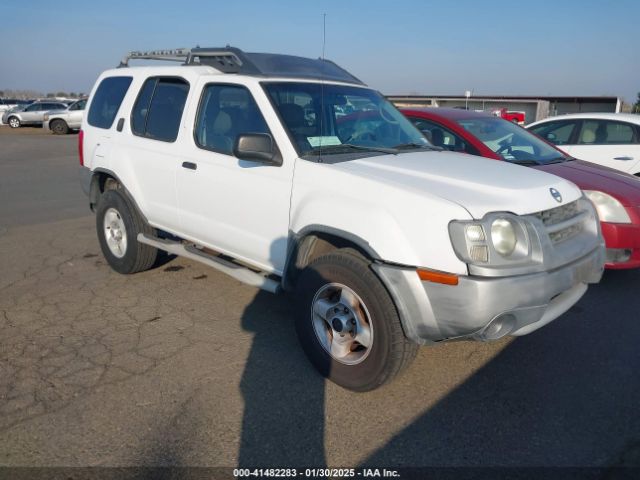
[{"x": 233, "y": 60}]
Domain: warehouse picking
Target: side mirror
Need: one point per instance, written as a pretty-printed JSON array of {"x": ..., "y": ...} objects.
[{"x": 257, "y": 147}]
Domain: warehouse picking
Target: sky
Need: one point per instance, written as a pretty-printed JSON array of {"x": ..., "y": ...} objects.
[{"x": 493, "y": 47}]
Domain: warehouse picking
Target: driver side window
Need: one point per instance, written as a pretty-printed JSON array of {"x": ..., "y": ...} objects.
[{"x": 440, "y": 136}]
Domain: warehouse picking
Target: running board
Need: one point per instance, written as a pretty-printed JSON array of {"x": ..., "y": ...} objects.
[{"x": 240, "y": 273}]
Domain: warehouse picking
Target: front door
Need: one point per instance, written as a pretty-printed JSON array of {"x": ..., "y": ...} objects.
[{"x": 235, "y": 206}]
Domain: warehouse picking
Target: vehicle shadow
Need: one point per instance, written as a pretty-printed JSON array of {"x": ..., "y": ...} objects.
[
  {"x": 284, "y": 396},
  {"x": 566, "y": 395}
]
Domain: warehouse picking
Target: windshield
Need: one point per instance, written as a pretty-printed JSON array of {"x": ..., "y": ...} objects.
[
  {"x": 326, "y": 119},
  {"x": 511, "y": 142}
]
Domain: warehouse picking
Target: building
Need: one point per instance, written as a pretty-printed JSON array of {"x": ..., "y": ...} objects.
[{"x": 534, "y": 107}]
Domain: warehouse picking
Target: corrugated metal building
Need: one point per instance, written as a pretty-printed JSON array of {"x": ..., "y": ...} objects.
[{"x": 534, "y": 107}]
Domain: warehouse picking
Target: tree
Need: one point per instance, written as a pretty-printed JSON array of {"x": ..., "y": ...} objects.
[
  {"x": 636, "y": 107},
  {"x": 50, "y": 95}
]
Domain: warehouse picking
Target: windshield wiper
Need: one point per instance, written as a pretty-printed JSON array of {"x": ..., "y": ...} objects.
[
  {"x": 412, "y": 145},
  {"x": 557, "y": 160},
  {"x": 525, "y": 162},
  {"x": 330, "y": 149}
]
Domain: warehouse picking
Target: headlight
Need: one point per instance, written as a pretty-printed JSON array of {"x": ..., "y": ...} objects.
[
  {"x": 609, "y": 209},
  {"x": 503, "y": 236},
  {"x": 498, "y": 240},
  {"x": 46, "y": 117}
]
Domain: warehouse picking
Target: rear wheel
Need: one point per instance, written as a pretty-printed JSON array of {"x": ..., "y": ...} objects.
[
  {"x": 59, "y": 127},
  {"x": 118, "y": 224},
  {"x": 348, "y": 324},
  {"x": 14, "y": 122}
]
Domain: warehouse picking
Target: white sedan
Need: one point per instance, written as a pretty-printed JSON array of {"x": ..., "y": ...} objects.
[{"x": 609, "y": 139}]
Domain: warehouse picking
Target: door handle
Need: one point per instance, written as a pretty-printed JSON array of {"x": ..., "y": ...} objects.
[
  {"x": 623, "y": 158},
  {"x": 189, "y": 165}
]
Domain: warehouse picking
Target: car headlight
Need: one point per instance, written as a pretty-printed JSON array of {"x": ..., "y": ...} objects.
[
  {"x": 46, "y": 117},
  {"x": 503, "y": 236},
  {"x": 498, "y": 240},
  {"x": 609, "y": 209}
]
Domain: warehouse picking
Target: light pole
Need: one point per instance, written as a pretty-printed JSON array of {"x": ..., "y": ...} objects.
[{"x": 467, "y": 94}]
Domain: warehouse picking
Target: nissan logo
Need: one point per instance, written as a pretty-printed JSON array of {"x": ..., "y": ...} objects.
[{"x": 556, "y": 194}]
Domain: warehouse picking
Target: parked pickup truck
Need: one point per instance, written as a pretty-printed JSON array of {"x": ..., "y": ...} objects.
[
  {"x": 243, "y": 161},
  {"x": 515, "y": 117}
]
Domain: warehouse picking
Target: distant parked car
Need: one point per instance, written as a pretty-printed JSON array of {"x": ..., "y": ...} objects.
[
  {"x": 615, "y": 195},
  {"x": 61, "y": 121},
  {"x": 609, "y": 139},
  {"x": 515, "y": 117},
  {"x": 31, "y": 114}
]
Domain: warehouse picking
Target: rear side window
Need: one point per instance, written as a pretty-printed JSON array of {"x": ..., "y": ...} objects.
[
  {"x": 106, "y": 101},
  {"x": 158, "y": 108},
  {"x": 602, "y": 132}
]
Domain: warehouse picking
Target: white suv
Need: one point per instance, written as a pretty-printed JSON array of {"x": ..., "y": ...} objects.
[{"x": 290, "y": 174}]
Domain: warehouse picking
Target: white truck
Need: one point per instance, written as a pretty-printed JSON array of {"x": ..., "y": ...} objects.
[{"x": 250, "y": 163}]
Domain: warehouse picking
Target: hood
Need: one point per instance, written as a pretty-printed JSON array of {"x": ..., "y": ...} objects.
[
  {"x": 477, "y": 184},
  {"x": 590, "y": 176}
]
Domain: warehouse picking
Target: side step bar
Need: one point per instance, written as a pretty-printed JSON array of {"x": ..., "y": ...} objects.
[{"x": 240, "y": 273}]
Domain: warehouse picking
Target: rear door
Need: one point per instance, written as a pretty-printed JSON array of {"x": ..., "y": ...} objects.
[
  {"x": 613, "y": 144},
  {"x": 151, "y": 153}
]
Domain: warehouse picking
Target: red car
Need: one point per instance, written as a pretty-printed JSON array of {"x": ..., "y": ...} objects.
[{"x": 616, "y": 195}]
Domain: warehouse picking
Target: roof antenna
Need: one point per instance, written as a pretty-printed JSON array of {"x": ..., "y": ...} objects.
[
  {"x": 324, "y": 32},
  {"x": 322, "y": 110}
]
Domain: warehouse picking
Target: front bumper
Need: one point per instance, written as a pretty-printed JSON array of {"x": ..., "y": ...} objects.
[
  {"x": 623, "y": 244},
  {"x": 483, "y": 308}
]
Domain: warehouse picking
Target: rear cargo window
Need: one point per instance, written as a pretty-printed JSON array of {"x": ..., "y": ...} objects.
[{"x": 106, "y": 101}]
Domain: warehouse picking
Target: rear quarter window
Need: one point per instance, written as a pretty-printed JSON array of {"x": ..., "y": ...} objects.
[{"x": 106, "y": 101}]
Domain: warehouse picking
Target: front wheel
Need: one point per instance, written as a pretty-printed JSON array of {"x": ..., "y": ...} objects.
[
  {"x": 348, "y": 324},
  {"x": 118, "y": 224},
  {"x": 14, "y": 122}
]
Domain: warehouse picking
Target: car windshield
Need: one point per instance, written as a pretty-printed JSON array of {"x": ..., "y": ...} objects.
[
  {"x": 513, "y": 143},
  {"x": 329, "y": 119}
]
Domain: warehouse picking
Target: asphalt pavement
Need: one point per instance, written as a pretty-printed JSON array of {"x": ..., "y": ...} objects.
[{"x": 183, "y": 366}]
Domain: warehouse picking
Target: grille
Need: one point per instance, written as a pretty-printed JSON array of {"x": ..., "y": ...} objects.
[{"x": 558, "y": 215}]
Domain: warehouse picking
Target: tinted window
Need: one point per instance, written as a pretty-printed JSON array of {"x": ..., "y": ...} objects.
[
  {"x": 141, "y": 107},
  {"x": 439, "y": 136},
  {"x": 600, "y": 132},
  {"x": 227, "y": 111},
  {"x": 36, "y": 107},
  {"x": 158, "y": 109},
  {"x": 558, "y": 133},
  {"x": 106, "y": 101},
  {"x": 79, "y": 105}
]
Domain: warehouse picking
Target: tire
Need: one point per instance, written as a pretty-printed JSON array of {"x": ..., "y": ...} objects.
[
  {"x": 342, "y": 285},
  {"x": 59, "y": 127},
  {"x": 14, "y": 122},
  {"x": 116, "y": 216}
]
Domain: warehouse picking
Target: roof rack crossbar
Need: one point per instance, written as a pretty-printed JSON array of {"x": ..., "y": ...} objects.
[{"x": 174, "y": 55}]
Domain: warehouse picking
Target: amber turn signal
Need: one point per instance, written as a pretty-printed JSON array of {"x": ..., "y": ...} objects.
[{"x": 437, "y": 277}]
